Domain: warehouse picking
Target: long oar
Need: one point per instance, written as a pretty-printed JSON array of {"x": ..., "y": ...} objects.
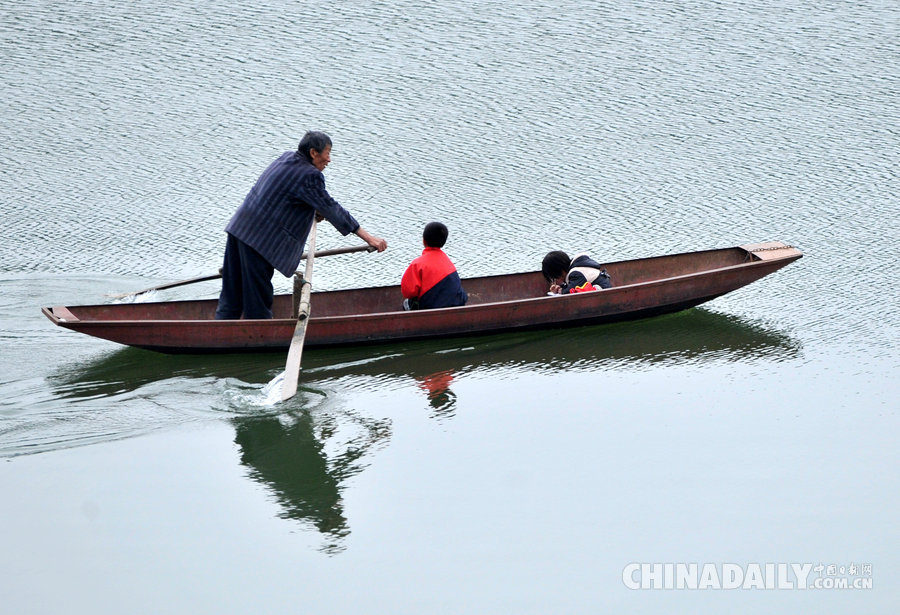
[
  {"x": 165, "y": 286},
  {"x": 292, "y": 367},
  {"x": 216, "y": 276}
]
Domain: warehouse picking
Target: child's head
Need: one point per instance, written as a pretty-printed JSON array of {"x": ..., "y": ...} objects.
[
  {"x": 555, "y": 265},
  {"x": 435, "y": 235}
]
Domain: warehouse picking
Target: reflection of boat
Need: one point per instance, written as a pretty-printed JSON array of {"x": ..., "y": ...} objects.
[
  {"x": 695, "y": 335},
  {"x": 642, "y": 287},
  {"x": 128, "y": 369}
]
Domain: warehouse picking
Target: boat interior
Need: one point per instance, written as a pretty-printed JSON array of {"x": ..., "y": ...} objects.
[
  {"x": 486, "y": 289},
  {"x": 514, "y": 287}
]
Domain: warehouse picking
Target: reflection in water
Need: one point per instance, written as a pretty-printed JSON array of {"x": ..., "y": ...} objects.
[
  {"x": 437, "y": 387},
  {"x": 289, "y": 455},
  {"x": 128, "y": 369},
  {"x": 305, "y": 450},
  {"x": 695, "y": 336}
]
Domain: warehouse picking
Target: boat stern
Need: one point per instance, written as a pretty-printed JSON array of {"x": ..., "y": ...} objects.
[{"x": 59, "y": 315}]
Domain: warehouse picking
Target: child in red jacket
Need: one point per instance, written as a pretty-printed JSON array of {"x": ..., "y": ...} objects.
[{"x": 431, "y": 280}]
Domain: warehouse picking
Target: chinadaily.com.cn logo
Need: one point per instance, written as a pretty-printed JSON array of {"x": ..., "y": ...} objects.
[{"x": 670, "y": 575}]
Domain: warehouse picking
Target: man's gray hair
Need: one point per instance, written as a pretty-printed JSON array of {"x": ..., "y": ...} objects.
[{"x": 313, "y": 139}]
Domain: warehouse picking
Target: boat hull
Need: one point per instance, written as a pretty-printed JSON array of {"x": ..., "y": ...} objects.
[{"x": 642, "y": 288}]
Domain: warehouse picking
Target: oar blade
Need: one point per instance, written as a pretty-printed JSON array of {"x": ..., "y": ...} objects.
[
  {"x": 292, "y": 365},
  {"x": 295, "y": 352}
]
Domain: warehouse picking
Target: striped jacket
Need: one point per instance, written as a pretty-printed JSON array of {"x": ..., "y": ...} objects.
[{"x": 277, "y": 214}]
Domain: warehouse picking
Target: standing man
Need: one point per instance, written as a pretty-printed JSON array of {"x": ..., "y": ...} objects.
[{"x": 269, "y": 230}]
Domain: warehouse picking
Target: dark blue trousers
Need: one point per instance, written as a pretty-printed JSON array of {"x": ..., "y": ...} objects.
[{"x": 246, "y": 283}]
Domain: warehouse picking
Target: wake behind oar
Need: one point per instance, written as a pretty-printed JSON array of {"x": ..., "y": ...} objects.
[{"x": 272, "y": 391}]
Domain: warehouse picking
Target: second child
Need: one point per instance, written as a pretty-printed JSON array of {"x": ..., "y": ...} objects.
[{"x": 431, "y": 280}]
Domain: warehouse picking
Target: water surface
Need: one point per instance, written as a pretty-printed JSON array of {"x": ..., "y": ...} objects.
[{"x": 512, "y": 473}]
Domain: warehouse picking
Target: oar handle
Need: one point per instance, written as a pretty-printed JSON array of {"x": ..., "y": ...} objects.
[{"x": 334, "y": 251}]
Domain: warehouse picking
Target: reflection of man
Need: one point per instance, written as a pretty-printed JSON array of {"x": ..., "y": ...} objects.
[{"x": 292, "y": 462}]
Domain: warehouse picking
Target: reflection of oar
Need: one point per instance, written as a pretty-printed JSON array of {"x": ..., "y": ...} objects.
[
  {"x": 292, "y": 367},
  {"x": 206, "y": 278}
]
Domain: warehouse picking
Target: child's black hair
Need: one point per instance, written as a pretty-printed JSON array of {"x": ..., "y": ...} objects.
[
  {"x": 555, "y": 265},
  {"x": 435, "y": 235}
]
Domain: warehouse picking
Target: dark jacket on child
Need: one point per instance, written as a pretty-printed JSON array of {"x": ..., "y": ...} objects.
[{"x": 585, "y": 270}]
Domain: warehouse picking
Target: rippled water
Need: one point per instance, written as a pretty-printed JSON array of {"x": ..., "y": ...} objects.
[{"x": 131, "y": 132}]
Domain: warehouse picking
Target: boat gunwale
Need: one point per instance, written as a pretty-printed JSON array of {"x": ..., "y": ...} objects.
[{"x": 589, "y": 296}]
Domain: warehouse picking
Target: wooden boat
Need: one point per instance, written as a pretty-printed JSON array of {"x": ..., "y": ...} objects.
[{"x": 641, "y": 288}]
